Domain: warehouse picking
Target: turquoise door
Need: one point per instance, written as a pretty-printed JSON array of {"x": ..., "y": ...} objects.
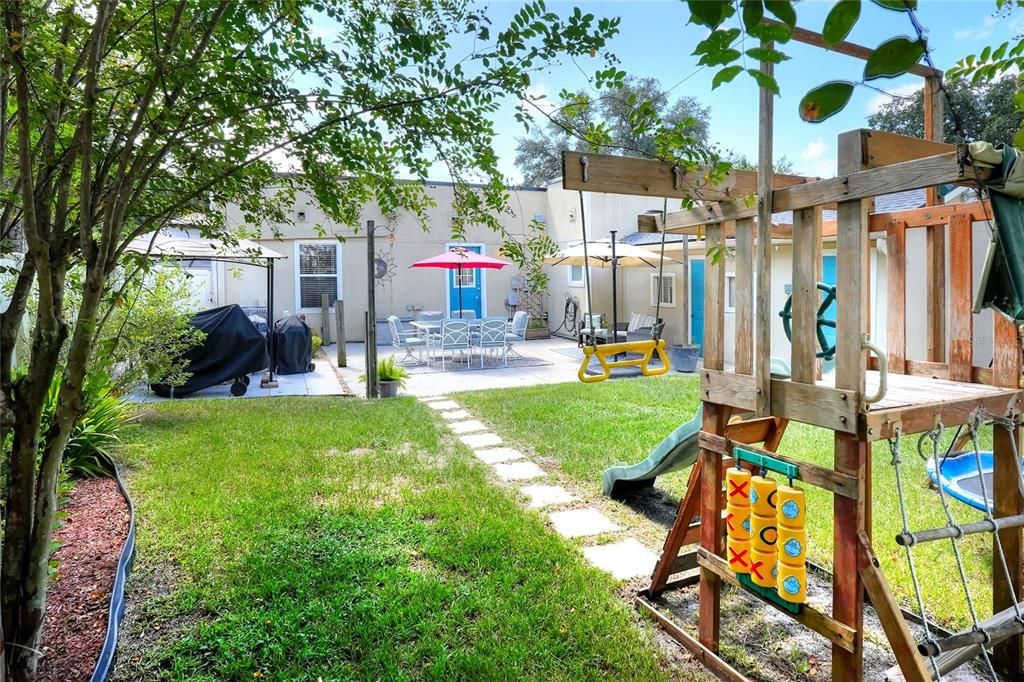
[
  {"x": 467, "y": 283},
  {"x": 828, "y": 276},
  {"x": 697, "y": 302}
]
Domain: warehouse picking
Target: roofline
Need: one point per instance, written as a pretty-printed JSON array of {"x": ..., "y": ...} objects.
[{"x": 436, "y": 183}]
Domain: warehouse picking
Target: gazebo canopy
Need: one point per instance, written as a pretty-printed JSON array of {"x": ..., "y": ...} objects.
[{"x": 176, "y": 246}]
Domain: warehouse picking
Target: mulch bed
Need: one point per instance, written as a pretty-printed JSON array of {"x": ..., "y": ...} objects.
[{"x": 78, "y": 600}]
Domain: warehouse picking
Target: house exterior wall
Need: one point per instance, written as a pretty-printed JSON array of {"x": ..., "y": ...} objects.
[{"x": 409, "y": 290}]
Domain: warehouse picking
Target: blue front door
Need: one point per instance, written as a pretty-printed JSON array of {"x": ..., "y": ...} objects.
[
  {"x": 469, "y": 284},
  {"x": 697, "y": 302}
]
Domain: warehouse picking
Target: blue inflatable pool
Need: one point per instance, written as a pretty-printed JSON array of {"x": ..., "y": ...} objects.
[{"x": 958, "y": 475}]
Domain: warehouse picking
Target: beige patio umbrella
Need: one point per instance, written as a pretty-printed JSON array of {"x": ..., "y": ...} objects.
[{"x": 608, "y": 253}]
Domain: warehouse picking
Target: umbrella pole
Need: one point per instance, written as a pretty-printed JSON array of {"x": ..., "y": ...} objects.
[
  {"x": 458, "y": 285},
  {"x": 615, "y": 297},
  {"x": 269, "y": 381}
]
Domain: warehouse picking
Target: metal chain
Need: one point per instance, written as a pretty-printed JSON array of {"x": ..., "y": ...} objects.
[
  {"x": 894, "y": 448},
  {"x": 936, "y": 436}
]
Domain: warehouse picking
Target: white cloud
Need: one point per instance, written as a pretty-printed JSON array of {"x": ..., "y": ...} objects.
[
  {"x": 814, "y": 150},
  {"x": 883, "y": 98},
  {"x": 977, "y": 32},
  {"x": 540, "y": 96}
]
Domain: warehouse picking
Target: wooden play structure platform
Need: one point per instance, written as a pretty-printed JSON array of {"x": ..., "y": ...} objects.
[{"x": 876, "y": 393}]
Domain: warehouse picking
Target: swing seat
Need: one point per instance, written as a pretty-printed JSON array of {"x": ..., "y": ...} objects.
[
  {"x": 646, "y": 348},
  {"x": 958, "y": 476}
]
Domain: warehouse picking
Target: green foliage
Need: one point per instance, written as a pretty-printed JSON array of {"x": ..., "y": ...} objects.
[
  {"x": 317, "y": 343},
  {"x": 825, "y": 101},
  {"x": 986, "y": 110},
  {"x": 840, "y": 21},
  {"x": 626, "y": 118},
  {"x": 893, "y": 58},
  {"x": 88, "y": 452},
  {"x": 529, "y": 253},
  {"x": 389, "y": 370}
]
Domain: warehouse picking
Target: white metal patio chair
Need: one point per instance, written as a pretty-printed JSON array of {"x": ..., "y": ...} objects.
[
  {"x": 516, "y": 332},
  {"x": 454, "y": 336},
  {"x": 493, "y": 336},
  {"x": 407, "y": 341}
]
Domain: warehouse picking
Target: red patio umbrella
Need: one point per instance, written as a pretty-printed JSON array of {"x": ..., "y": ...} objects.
[{"x": 458, "y": 258}]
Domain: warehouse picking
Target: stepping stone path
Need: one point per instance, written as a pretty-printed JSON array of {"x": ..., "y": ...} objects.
[
  {"x": 624, "y": 560},
  {"x": 468, "y": 426},
  {"x": 481, "y": 440},
  {"x": 577, "y": 523},
  {"x": 518, "y": 471},
  {"x": 497, "y": 455},
  {"x": 546, "y": 495}
]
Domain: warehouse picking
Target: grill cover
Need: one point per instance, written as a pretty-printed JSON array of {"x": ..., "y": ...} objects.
[
  {"x": 293, "y": 346},
  {"x": 233, "y": 348}
]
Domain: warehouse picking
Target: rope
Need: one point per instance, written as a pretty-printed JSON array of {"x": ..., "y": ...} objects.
[
  {"x": 936, "y": 436},
  {"x": 894, "y": 448},
  {"x": 586, "y": 274}
]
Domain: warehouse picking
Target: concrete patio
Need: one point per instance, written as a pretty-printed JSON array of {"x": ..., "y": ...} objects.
[
  {"x": 322, "y": 381},
  {"x": 549, "y": 361}
]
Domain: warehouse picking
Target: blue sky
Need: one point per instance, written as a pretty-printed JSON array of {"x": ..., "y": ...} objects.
[{"x": 655, "y": 41}]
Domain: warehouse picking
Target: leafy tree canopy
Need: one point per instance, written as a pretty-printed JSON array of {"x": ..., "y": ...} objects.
[
  {"x": 986, "y": 111},
  {"x": 607, "y": 122}
]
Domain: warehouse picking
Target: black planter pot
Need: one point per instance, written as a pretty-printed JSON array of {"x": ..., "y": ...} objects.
[
  {"x": 684, "y": 358},
  {"x": 387, "y": 389}
]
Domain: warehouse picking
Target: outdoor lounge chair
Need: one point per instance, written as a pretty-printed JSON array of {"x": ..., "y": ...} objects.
[
  {"x": 407, "y": 341},
  {"x": 516, "y": 332},
  {"x": 454, "y": 336},
  {"x": 493, "y": 335}
]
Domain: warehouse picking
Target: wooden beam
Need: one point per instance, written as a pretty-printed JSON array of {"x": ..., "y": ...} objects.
[
  {"x": 852, "y": 288},
  {"x": 804, "y": 344},
  {"x": 714, "y": 303},
  {"x": 961, "y": 303},
  {"x": 832, "y": 408},
  {"x": 744, "y": 287},
  {"x": 689, "y": 508},
  {"x": 933, "y": 122},
  {"x": 879, "y": 424},
  {"x": 709, "y": 591},
  {"x": 896, "y": 304},
  {"x": 851, "y": 518},
  {"x": 807, "y": 37},
  {"x": 929, "y": 215},
  {"x": 895, "y": 626},
  {"x": 704, "y": 656},
  {"x": 899, "y": 177},
  {"x": 884, "y": 149},
  {"x": 653, "y": 178},
  {"x": 764, "y": 315},
  {"x": 751, "y": 430},
  {"x": 1009, "y": 654},
  {"x": 935, "y": 292}
]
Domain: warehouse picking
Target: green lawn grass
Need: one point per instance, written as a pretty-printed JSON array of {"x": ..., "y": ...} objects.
[
  {"x": 325, "y": 538},
  {"x": 588, "y": 427}
]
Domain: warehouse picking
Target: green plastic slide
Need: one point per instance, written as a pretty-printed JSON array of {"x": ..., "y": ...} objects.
[{"x": 678, "y": 451}]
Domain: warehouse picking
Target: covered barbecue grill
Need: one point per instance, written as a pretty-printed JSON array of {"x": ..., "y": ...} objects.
[
  {"x": 232, "y": 350},
  {"x": 292, "y": 346}
]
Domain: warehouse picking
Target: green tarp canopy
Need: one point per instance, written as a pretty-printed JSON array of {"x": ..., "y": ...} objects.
[{"x": 1002, "y": 280}]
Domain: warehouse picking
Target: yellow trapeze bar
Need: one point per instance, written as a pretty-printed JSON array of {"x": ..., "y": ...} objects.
[{"x": 604, "y": 351}]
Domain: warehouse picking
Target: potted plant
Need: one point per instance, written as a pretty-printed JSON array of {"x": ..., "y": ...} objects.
[
  {"x": 684, "y": 356},
  {"x": 390, "y": 377}
]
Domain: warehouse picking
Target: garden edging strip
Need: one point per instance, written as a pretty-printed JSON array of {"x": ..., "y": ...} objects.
[{"x": 105, "y": 661}]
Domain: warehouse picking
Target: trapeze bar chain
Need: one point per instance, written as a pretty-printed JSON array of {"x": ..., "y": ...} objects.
[{"x": 909, "y": 539}]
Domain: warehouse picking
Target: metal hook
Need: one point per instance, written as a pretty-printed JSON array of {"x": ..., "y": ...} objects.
[
  {"x": 585, "y": 162},
  {"x": 676, "y": 177}
]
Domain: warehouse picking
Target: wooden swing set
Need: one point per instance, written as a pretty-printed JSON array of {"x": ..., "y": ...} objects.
[{"x": 876, "y": 394}]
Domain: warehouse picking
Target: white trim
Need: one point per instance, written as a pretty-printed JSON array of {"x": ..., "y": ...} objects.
[
  {"x": 730, "y": 300},
  {"x": 670, "y": 276},
  {"x": 577, "y": 282},
  {"x": 298, "y": 268},
  {"x": 483, "y": 279}
]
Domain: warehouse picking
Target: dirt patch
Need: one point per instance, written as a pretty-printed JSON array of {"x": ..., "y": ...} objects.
[
  {"x": 151, "y": 622},
  {"x": 78, "y": 599}
]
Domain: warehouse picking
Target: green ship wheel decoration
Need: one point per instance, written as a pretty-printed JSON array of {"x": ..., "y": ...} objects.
[{"x": 828, "y": 350}]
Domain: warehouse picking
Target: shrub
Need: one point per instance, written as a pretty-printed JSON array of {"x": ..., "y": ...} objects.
[
  {"x": 317, "y": 343},
  {"x": 388, "y": 370}
]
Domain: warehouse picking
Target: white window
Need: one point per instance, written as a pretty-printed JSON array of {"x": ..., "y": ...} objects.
[
  {"x": 464, "y": 279},
  {"x": 318, "y": 271},
  {"x": 665, "y": 288},
  {"x": 576, "y": 275},
  {"x": 730, "y": 292}
]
